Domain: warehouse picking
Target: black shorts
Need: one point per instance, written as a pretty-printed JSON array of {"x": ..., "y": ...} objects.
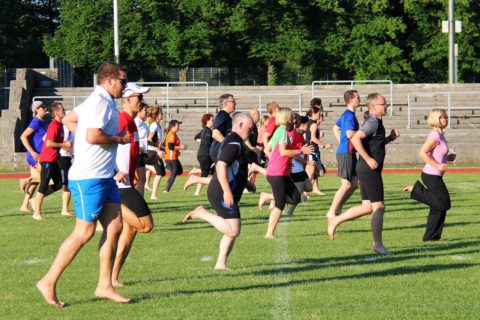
[
  {"x": 302, "y": 182},
  {"x": 215, "y": 197},
  {"x": 50, "y": 170},
  {"x": 205, "y": 164},
  {"x": 141, "y": 160},
  {"x": 284, "y": 191},
  {"x": 64, "y": 163},
  {"x": 134, "y": 201},
  {"x": 347, "y": 165},
  {"x": 371, "y": 185}
]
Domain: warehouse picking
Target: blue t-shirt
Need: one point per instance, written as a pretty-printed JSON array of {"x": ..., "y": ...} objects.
[
  {"x": 346, "y": 122},
  {"x": 36, "y": 139}
]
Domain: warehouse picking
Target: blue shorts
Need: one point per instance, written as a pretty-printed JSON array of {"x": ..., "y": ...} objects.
[{"x": 90, "y": 195}]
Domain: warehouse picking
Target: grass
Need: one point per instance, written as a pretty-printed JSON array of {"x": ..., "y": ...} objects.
[{"x": 301, "y": 275}]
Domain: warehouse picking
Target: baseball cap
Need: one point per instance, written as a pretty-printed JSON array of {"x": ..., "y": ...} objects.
[
  {"x": 132, "y": 88},
  {"x": 174, "y": 122},
  {"x": 36, "y": 104}
]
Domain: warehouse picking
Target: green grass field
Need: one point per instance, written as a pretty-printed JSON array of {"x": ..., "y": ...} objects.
[{"x": 301, "y": 275}]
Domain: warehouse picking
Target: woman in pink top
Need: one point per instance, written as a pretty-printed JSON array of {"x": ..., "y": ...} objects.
[{"x": 434, "y": 194}]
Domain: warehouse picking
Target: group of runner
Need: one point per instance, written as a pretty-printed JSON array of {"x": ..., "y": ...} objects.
[{"x": 110, "y": 152}]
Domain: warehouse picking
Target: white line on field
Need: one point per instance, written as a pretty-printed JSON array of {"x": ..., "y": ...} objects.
[{"x": 281, "y": 306}]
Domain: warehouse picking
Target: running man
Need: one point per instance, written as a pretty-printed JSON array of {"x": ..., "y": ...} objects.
[
  {"x": 370, "y": 143},
  {"x": 226, "y": 188},
  {"x": 344, "y": 129},
  {"x": 95, "y": 193}
]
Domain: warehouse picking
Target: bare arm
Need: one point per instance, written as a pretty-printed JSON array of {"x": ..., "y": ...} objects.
[
  {"x": 97, "y": 136},
  {"x": 221, "y": 169},
  {"x": 336, "y": 132},
  {"x": 428, "y": 146},
  {"x": 314, "y": 139},
  {"x": 284, "y": 152},
  {"x": 217, "y": 135},
  {"x": 357, "y": 144},
  {"x": 24, "y": 138},
  {"x": 58, "y": 145}
]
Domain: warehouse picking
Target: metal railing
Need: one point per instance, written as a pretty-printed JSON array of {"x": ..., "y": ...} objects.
[
  {"x": 60, "y": 98},
  {"x": 177, "y": 84},
  {"x": 352, "y": 84},
  {"x": 260, "y": 97},
  {"x": 412, "y": 97}
]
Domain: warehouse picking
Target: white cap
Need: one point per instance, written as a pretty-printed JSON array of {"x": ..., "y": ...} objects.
[
  {"x": 36, "y": 104},
  {"x": 132, "y": 88}
]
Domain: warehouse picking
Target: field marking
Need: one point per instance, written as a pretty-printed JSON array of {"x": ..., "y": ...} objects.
[{"x": 281, "y": 306}]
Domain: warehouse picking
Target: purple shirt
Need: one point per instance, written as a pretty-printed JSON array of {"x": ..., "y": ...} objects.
[
  {"x": 439, "y": 153},
  {"x": 36, "y": 138}
]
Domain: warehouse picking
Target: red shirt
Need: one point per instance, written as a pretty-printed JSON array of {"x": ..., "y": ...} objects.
[
  {"x": 127, "y": 124},
  {"x": 271, "y": 126},
  {"x": 54, "y": 134}
]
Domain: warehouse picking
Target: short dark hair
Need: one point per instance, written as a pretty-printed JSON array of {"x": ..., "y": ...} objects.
[
  {"x": 109, "y": 69},
  {"x": 316, "y": 102},
  {"x": 55, "y": 106},
  {"x": 349, "y": 95}
]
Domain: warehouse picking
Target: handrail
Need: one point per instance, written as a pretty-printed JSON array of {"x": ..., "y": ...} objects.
[
  {"x": 74, "y": 98},
  {"x": 262, "y": 95},
  {"x": 450, "y": 107},
  {"x": 352, "y": 83},
  {"x": 168, "y": 85}
]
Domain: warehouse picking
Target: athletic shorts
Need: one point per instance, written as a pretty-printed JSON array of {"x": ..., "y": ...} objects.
[
  {"x": 371, "y": 185},
  {"x": 50, "y": 171},
  {"x": 141, "y": 160},
  {"x": 302, "y": 182},
  {"x": 284, "y": 191},
  {"x": 215, "y": 197},
  {"x": 64, "y": 163},
  {"x": 347, "y": 165},
  {"x": 90, "y": 195},
  {"x": 134, "y": 201}
]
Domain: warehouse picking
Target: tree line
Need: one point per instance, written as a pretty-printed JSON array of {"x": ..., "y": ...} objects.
[{"x": 271, "y": 42}]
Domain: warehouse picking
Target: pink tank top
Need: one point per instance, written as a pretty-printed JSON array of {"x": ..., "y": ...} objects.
[{"x": 439, "y": 154}]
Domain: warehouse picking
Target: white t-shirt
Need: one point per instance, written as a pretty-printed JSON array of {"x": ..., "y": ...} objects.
[
  {"x": 156, "y": 127},
  {"x": 143, "y": 132},
  {"x": 67, "y": 136},
  {"x": 95, "y": 160}
]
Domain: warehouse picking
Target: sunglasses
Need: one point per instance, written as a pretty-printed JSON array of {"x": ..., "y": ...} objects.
[
  {"x": 139, "y": 96},
  {"x": 122, "y": 81}
]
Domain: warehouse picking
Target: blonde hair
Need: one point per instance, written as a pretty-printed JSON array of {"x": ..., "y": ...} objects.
[
  {"x": 283, "y": 116},
  {"x": 434, "y": 117}
]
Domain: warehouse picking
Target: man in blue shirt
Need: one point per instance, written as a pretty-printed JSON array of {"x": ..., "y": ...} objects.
[{"x": 344, "y": 129}]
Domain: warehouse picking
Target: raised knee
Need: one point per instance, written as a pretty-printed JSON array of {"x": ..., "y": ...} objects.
[
  {"x": 147, "y": 228},
  {"x": 233, "y": 234}
]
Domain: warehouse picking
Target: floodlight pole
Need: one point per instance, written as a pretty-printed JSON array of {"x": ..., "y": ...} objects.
[
  {"x": 451, "y": 42},
  {"x": 116, "y": 44}
]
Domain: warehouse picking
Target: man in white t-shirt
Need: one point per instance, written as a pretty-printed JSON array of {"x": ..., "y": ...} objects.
[{"x": 91, "y": 182}]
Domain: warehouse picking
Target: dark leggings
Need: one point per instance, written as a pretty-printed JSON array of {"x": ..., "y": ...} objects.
[
  {"x": 205, "y": 165},
  {"x": 50, "y": 170},
  {"x": 284, "y": 191},
  {"x": 436, "y": 196},
  {"x": 176, "y": 169}
]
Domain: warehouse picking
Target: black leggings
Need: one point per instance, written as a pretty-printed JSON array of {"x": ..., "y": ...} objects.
[
  {"x": 50, "y": 170},
  {"x": 284, "y": 191},
  {"x": 205, "y": 164},
  {"x": 176, "y": 169},
  {"x": 436, "y": 196}
]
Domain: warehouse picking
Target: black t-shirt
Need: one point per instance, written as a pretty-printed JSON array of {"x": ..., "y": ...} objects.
[
  {"x": 223, "y": 123},
  {"x": 205, "y": 142},
  {"x": 374, "y": 143},
  {"x": 233, "y": 154}
]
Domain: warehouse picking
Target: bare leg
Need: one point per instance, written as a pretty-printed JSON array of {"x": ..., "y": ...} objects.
[
  {"x": 343, "y": 193},
  {"x": 272, "y": 223},
  {"x": 124, "y": 245},
  {"x": 352, "y": 213},
  {"x": 316, "y": 189},
  {"x": 408, "y": 189},
  {"x": 37, "y": 212},
  {"x": 377, "y": 228},
  {"x": 66, "y": 195},
  {"x": 256, "y": 169},
  {"x": 147, "y": 179},
  {"x": 193, "y": 179},
  {"x": 141, "y": 179},
  {"x": 28, "y": 196},
  {"x": 156, "y": 183},
  {"x": 198, "y": 190},
  {"x": 229, "y": 227},
  {"x": 80, "y": 235},
  {"x": 111, "y": 220},
  {"x": 264, "y": 196}
]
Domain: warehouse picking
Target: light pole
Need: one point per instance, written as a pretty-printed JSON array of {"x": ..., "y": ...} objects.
[
  {"x": 451, "y": 42},
  {"x": 116, "y": 45}
]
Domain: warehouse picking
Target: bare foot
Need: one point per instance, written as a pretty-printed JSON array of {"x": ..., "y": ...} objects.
[
  {"x": 331, "y": 227},
  {"x": 188, "y": 183},
  {"x": 261, "y": 200},
  {"x": 269, "y": 237},
  {"x": 111, "y": 295},
  {"x": 49, "y": 294},
  {"x": 32, "y": 203},
  {"x": 407, "y": 189},
  {"x": 381, "y": 250},
  {"x": 318, "y": 192},
  {"x": 66, "y": 214},
  {"x": 193, "y": 214},
  {"x": 330, "y": 215},
  {"x": 221, "y": 268},
  {"x": 147, "y": 188},
  {"x": 25, "y": 209},
  {"x": 117, "y": 283},
  {"x": 37, "y": 216}
]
